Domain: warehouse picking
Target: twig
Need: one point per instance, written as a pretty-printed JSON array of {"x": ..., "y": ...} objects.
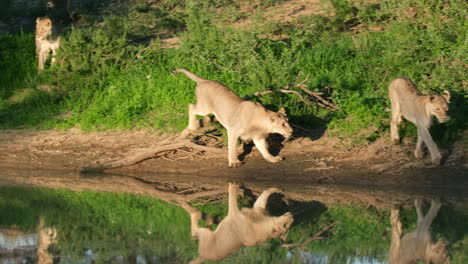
[
  {"x": 325, "y": 103},
  {"x": 296, "y": 93},
  {"x": 302, "y": 85},
  {"x": 316, "y": 236}
]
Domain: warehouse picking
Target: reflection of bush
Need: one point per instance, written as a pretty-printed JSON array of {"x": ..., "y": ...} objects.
[{"x": 108, "y": 224}]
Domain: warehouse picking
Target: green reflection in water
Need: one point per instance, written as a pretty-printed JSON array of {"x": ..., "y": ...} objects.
[{"x": 126, "y": 225}]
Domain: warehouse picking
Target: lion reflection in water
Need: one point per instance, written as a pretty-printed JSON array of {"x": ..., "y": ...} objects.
[
  {"x": 246, "y": 227},
  {"x": 417, "y": 245}
]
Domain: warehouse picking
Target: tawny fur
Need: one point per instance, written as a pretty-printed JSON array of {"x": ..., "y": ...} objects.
[
  {"x": 246, "y": 227},
  {"x": 408, "y": 102},
  {"x": 417, "y": 245},
  {"x": 242, "y": 119},
  {"x": 46, "y": 41},
  {"x": 45, "y": 237}
]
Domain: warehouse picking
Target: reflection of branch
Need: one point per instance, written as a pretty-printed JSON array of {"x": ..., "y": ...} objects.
[{"x": 316, "y": 236}]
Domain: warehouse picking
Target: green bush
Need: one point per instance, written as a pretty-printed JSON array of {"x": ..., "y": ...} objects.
[{"x": 111, "y": 76}]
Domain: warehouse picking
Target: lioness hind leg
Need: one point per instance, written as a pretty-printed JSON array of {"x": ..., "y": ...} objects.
[
  {"x": 396, "y": 120},
  {"x": 195, "y": 216},
  {"x": 194, "y": 123}
]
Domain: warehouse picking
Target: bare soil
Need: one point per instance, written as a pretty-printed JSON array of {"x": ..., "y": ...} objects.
[{"x": 316, "y": 167}]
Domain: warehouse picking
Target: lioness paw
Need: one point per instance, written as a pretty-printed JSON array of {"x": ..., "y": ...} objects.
[
  {"x": 275, "y": 159},
  {"x": 234, "y": 164},
  {"x": 418, "y": 154},
  {"x": 436, "y": 162}
]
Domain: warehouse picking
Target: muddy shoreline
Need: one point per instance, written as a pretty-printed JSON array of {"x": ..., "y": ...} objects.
[{"x": 379, "y": 174}]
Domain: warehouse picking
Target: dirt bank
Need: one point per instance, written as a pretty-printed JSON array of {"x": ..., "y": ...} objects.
[{"x": 312, "y": 160}]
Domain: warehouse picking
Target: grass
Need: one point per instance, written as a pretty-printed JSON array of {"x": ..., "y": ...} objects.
[
  {"x": 115, "y": 75},
  {"x": 109, "y": 224},
  {"x": 119, "y": 224}
]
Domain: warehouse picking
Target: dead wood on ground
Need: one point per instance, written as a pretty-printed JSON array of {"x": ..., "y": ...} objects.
[{"x": 158, "y": 150}]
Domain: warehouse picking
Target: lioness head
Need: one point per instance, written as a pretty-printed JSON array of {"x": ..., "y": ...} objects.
[
  {"x": 281, "y": 226},
  {"x": 438, "y": 106},
  {"x": 280, "y": 124},
  {"x": 43, "y": 27},
  {"x": 438, "y": 253}
]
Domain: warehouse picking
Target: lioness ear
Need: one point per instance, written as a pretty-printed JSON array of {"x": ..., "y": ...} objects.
[
  {"x": 282, "y": 111},
  {"x": 432, "y": 98},
  {"x": 446, "y": 95}
]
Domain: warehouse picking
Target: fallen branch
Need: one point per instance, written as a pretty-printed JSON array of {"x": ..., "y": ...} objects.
[
  {"x": 302, "y": 85},
  {"x": 150, "y": 153},
  {"x": 324, "y": 102}
]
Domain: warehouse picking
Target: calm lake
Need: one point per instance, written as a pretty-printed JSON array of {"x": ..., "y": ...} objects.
[{"x": 51, "y": 217}]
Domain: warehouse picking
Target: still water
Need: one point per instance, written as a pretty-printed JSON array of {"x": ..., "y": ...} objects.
[{"x": 332, "y": 224}]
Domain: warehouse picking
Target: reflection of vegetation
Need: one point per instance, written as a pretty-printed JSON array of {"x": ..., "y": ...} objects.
[
  {"x": 113, "y": 75},
  {"x": 109, "y": 224},
  {"x": 122, "y": 224}
]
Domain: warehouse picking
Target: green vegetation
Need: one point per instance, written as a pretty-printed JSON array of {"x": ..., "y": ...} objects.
[
  {"x": 115, "y": 73},
  {"x": 122, "y": 224},
  {"x": 109, "y": 224}
]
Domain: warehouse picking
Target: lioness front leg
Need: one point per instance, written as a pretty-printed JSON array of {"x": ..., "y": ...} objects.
[
  {"x": 43, "y": 53},
  {"x": 429, "y": 217},
  {"x": 263, "y": 198},
  {"x": 433, "y": 149},
  {"x": 232, "y": 150},
  {"x": 233, "y": 207},
  {"x": 418, "y": 152},
  {"x": 261, "y": 145}
]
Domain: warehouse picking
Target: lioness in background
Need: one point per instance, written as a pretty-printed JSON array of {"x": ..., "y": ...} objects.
[
  {"x": 246, "y": 227},
  {"x": 47, "y": 40},
  {"x": 417, "y": 245},
  {"x": 244, "y": 119},
  {"x": 409, "y": 102}
]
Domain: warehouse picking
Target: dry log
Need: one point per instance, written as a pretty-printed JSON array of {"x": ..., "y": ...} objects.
[{"x": 148, "y": 153}]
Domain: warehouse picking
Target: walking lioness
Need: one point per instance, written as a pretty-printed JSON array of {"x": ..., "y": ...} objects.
[
  {"x": 246, "y": 227},
  {"x": 47, "y": 40},
  {"x": 417, "y": 245},
  {"x": 408, "y": 102},
  {"x": 244, "y": 119}
]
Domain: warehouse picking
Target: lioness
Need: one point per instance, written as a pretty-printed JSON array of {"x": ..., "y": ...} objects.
[
  {"x": 244, "y": 119},
  {"x": 47, "y": 40},
  {"x": 409, "y": 102},
  {"x": 417, "y": 245},
  {"x": 246, "y": 227}
]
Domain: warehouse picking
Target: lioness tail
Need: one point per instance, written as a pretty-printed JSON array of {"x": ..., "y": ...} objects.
[{"x": 189, "y": 74}]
